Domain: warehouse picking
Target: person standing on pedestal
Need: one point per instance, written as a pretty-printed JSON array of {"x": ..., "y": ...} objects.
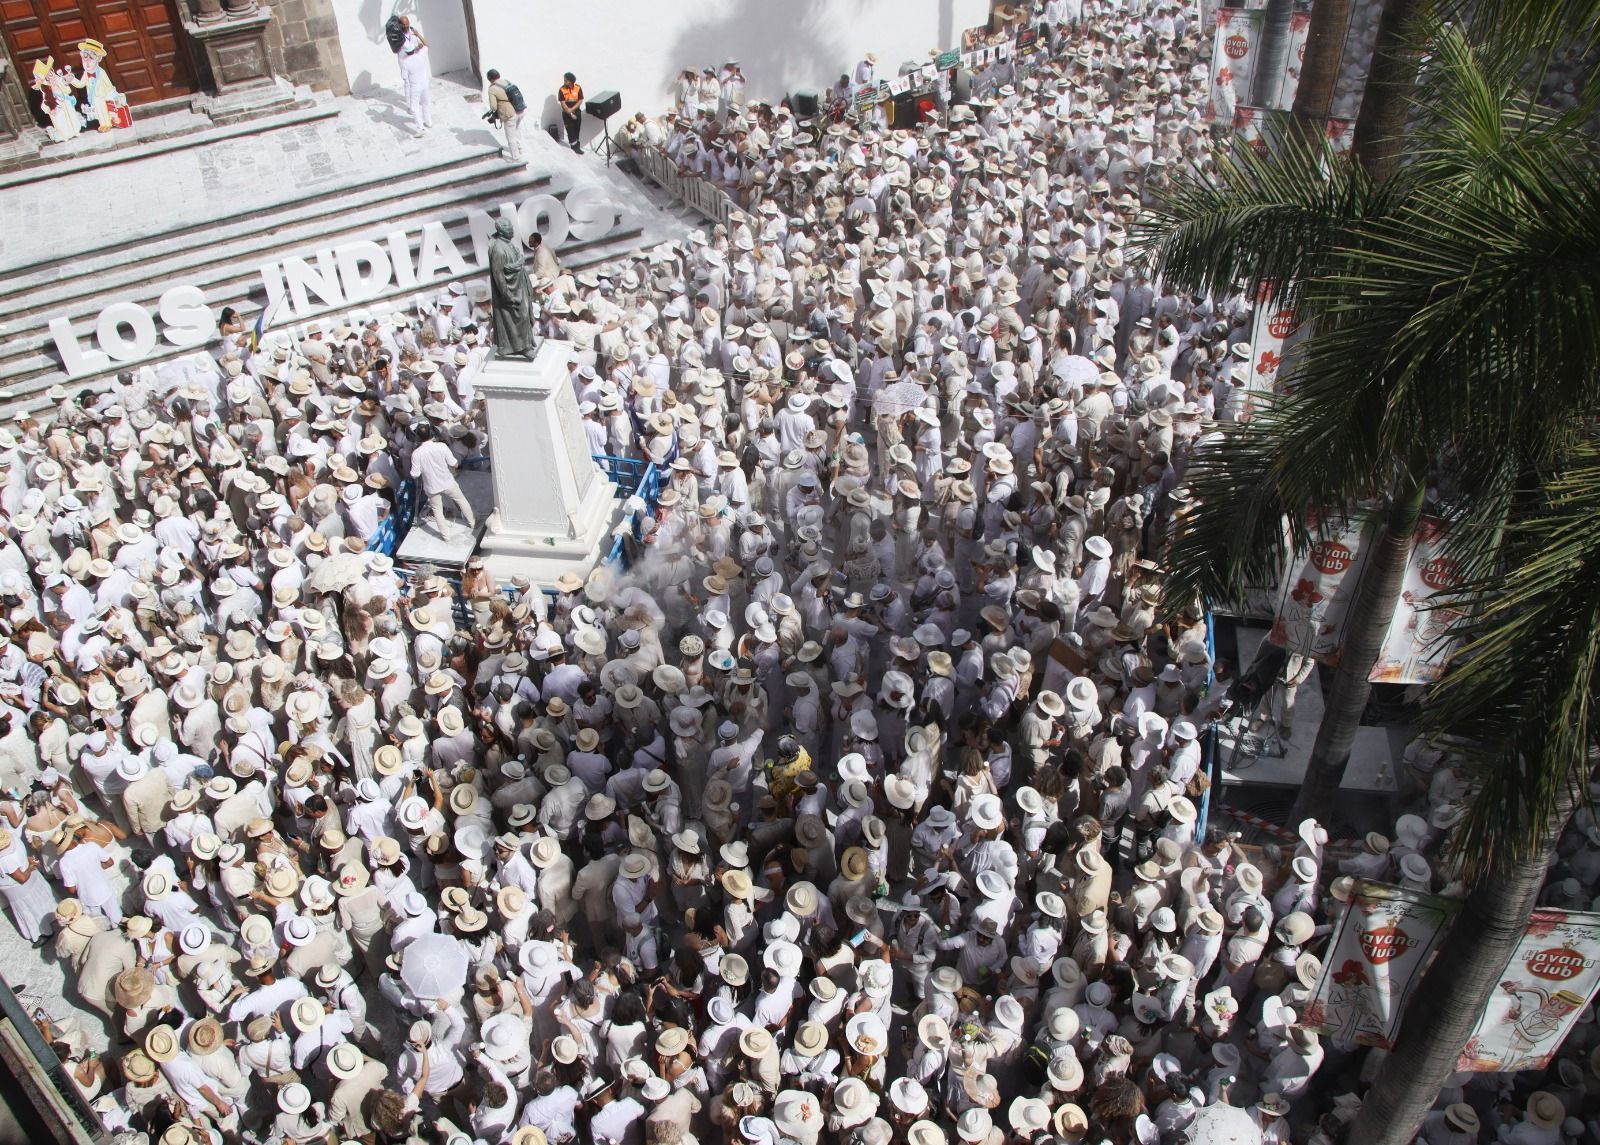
[
  {"x": 433, "y": 465},
  {"x": 414, "y": 72},
  {"x": 571, "y": 97}
]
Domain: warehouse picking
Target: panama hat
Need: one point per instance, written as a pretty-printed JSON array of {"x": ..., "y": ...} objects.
[{"x": 161, "y": 1044}]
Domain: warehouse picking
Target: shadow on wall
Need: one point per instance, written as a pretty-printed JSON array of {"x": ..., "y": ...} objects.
[
  {"x": 373, "y": 17},
  {"x": 787, "y": 45}
]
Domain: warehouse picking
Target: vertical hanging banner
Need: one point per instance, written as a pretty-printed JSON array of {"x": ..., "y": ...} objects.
[
  {"x": 1233, "y": 61},
  {"x": 1416, "y": 648},
  {"x": 1256, "y": 126},
  {"x": 1341, "y": 133},
  {"x": 1299, "y": 26},
  {"x": 1382, "y": 944},
  {"x": 1553, "y": 975},
  {"x": 1317, "y": 585},
  {"x": 1272, "y": 324}
]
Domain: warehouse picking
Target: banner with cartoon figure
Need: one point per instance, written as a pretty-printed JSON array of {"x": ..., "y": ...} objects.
[
  {"x": 1382, "y": 943},
  {"x": 1417, "y": 647},
  {"x": 1551, "y": 978},
  {"x": 1233, "y": 61}
]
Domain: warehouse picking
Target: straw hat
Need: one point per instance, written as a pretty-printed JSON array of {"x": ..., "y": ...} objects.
[{"x": 161, "y": 1044}]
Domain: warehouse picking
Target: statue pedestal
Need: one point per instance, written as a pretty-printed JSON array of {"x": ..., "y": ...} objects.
[{"x": 554, "y": 507}]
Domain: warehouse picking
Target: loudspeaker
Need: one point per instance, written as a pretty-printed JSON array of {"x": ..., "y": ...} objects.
[
  {"x": 904, "y": 111},
  {"x": 604, "y": 105},
  {"x": 805, "y": 103}
]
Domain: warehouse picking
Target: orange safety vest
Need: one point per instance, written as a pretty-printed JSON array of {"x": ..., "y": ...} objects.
[{"x": 570, "y": 94}]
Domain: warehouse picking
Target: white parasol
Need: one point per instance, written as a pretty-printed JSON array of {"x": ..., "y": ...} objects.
[
  {"x": 337, "y": 572},
  {"x": 1077, "y": 370},
  {"x": 898, "y": 398},
  {"x": 434, "y": 966},
  {"x": 1223, "y": 1125}
]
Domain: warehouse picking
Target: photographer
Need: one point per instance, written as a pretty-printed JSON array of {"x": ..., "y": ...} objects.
[{"x": 506, "y": 107}]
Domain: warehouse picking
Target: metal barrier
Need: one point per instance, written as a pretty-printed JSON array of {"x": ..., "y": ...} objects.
[
  {"x": 694, "y": 191},
  {"x": 634, "y": 477}
]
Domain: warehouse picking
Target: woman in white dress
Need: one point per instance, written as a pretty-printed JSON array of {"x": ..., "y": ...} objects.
[{"x": 27, "y": 891}]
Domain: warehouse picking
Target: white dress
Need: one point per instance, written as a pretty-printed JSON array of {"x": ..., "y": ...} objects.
[{"x": 32, "y": 902}]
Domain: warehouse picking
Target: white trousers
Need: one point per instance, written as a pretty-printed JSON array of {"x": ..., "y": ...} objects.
[
  {"x": 513, "y": 130},
  {"x": 436, "y": 507},
  {"x": 417, "y": 99}
]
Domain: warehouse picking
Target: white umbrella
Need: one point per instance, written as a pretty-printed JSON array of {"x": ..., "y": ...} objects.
[
  {"x": 898, "y": 398},
  {"x": 434, "y": 966},
  {"x": 1223, "y": 1125},
  {"x": 1076, "y": 370},
  {"x": 337, "y": 572}
]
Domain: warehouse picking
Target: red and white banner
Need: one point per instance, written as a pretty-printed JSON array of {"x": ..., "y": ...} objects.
[
  {"x": 1255, "y": 126},
  {"x": 1233, "y": 61},
  {"x": 1550, "y": 979},
  {"x": 1299, "y": 26},
  {"x": 1315, "y": 592},
  {"x": 1416, "y": 648},
  {"x": 1382, "y": 944},
  {"x": 1273, "y": 325},
  {"x": 1341, "y": 133}
]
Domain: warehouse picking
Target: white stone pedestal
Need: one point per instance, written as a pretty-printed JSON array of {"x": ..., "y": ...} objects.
[{"x": 554, "y": 506}]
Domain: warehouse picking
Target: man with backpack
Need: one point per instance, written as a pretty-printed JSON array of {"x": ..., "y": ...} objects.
[{"x": 506, "y": 107}]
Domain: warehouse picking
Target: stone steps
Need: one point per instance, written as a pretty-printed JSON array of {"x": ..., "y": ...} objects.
[
  {"x": 168, "y": 256},
  {"x": 224, "y": 258}
]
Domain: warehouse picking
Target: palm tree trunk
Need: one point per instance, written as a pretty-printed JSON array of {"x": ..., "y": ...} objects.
[
  {"x": 1272, "y": 54},
  {"x": 1382, "y": 578},
  {"x": 1319, "y": 71},
  {"x": 1441, "y": 1014},
  {"x": 1381, "y": 123}
]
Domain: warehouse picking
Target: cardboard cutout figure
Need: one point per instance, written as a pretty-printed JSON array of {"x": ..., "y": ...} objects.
[
  {"x": 106, "y": 105},
  {"x": 55, "y": 96}
]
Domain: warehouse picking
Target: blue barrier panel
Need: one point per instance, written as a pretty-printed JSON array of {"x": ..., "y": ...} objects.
[
  {"x": 397, "y": 524},
  {"x": 1208, "y": 743}
]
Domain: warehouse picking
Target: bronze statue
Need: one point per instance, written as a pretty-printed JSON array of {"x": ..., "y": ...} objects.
[{"x": 510, "y": 294}]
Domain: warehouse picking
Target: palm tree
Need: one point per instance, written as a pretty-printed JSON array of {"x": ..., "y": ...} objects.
[
  {"x": 1455, "y": 360},
  {"x": 1522, "y": 693},
  {"x": 1434, "y": 298},
  {"x": 1319, "y": 71}
]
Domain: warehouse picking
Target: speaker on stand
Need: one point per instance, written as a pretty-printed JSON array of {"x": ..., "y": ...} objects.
[{"x": 603, "y": 107}]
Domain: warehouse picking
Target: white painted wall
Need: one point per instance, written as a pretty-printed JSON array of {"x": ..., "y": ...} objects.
[
  {"x": 638, "y": 47},
  {"x": 367, "y": 59}
]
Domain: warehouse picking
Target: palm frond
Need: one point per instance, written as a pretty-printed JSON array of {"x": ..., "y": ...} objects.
[
  {"x": 1255, "y": 485},
  {"x": 1520, "y": 691},
  {"x": 1528, "y": 26},
  {"x": 1269, "y": 218}
]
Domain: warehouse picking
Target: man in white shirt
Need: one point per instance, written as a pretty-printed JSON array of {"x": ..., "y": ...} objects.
[{"x": 433, "y": 465}]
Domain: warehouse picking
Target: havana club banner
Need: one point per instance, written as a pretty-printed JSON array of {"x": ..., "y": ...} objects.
[
  {"x": 1272, "y": 325},
  {"x": 1257, "y": 126},
  {"x": 1382, "y": 944},
  {"x": 1233, "y": 61},
  {"x": 1299, "y": 27},
  {"x": 1550, "y": 979},
  {"x": 1417, "y": 647},
  {"x": 1316, "y": 589}
]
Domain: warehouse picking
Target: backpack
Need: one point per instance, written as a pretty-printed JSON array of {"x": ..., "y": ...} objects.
[
  {"x": 514, "y": 94},
  {"x": 395, "y": 33}
]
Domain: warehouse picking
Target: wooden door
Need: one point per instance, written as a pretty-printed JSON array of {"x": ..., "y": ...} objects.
[{"x": 147, "y": 56}]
